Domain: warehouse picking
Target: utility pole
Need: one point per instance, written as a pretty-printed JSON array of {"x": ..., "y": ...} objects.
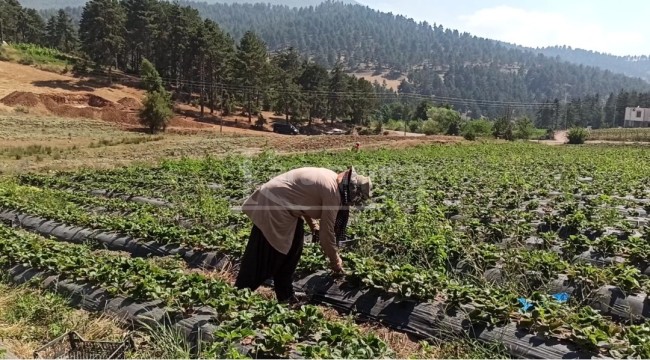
[
  {"x": 250, "y": 108},
  {"x": 614, "y": 112}
]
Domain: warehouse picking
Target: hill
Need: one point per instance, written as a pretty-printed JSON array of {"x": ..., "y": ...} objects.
[
  {"x": 475, "y": 74},
  {"x": 637, "y": 66},
  {"x": 60, "y": 4}
]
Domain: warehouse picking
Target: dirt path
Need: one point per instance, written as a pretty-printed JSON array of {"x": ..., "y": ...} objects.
[{"x": 560, "y": 139}]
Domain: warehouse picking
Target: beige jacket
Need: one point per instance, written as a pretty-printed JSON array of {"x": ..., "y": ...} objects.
[{"x": 311, "y": 193}]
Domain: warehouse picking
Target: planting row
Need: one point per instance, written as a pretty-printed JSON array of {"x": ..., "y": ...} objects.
[
  {"x": 489, "y": 306},
  {"x": 448, "y": 221},
  {"x": 239, "y": 312},
  {"x": 240, "y": 316}
]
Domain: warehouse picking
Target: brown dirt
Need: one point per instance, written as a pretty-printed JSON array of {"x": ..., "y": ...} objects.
[
  {"x": 368, "y": 75},
  {"x": 16, "y": 77},
  {"x": 129, "y": 103},
  {"x": 73, "y": 106},
  {"x": 21, "y": 98}
]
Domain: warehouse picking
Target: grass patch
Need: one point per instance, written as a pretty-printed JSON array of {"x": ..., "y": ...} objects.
[
  {"x": 125, "y": 141},
  {"x": 30, "y": 318},
  {"x": 632, "y": 134},
  {"x": 44, "y": 58}
]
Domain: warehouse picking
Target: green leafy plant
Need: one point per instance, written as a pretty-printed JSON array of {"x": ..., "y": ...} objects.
[{"x": 577, "y": 135}]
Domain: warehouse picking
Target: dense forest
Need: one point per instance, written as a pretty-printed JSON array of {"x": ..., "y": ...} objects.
[
  {"x": 221, "y": 51},
  {"x": 437, "y": 61},
  {"x": 60, "y": 4},
  {"x": 636, "y": 66}
]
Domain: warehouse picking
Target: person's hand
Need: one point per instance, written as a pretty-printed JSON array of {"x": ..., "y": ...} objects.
[{"x": 337, "y": 266}]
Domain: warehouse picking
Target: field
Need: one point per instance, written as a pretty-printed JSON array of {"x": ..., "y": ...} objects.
[
  {"x": 551, "y": 240},
  {"x": 625, "y": 135}
]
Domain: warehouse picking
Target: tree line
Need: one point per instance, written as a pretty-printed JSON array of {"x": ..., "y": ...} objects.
[
  {"x": 297, "y": 62},
  {"x": 435, "y": 60},
  {"x": 592, "y": 111}
]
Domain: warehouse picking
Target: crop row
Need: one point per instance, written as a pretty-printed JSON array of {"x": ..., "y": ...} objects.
[
  {"x": 496, "y": 306},
  {"x": 443, "y": 217},
  {"x": 277, "y": 329},
  {"x": 155, "y": 224}
]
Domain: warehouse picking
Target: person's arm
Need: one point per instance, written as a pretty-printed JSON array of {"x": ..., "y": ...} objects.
[
  {"x": 328, "y": 237},
  {"x": 313, "y": 224}
]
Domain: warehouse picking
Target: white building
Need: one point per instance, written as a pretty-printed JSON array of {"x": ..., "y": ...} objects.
[{"x": 637, "y": 117}]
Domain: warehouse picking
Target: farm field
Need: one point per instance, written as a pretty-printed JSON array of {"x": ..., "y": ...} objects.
[
  {"x": 552, "y": 241},
  {"x": 624, "y": 135}
]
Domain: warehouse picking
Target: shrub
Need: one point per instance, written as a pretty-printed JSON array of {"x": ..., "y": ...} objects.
[
  {"x": 453, "y": 129},
  {"x": 414, "y": 126},
  {"x": 430, "y": 127},
  {"x": 524, "y": 128},
  {"x": 394, "y": 125},
  {"x": 379, "y": 127},
  {"x": 500, "y": 127},
  {"x": 21, "y": 109},
  {"x": 448, "y": 120},
  {"x": 550, "y": 134},
  {"x": 577, "y": 135},
  {"x": 150, "y": 77},
  {"x": 478, "y": 127},
  {"x": 156, "y": 111},
  {"x": 509, "y": 134},
  {"x": 470, "y": 135}
]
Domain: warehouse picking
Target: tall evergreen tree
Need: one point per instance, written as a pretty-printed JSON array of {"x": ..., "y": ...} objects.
[
  {"x": 314, "y": 83},
  {"x": 10, "y": 16},
  {"x": 288, "y": 98},
  {"x": 362, "y": 101},
  {"x": 251, "y": 67},
  {"x": 101, "y": 31},
  {"x": 610, "y": 111},
  {"x": 140, "y": 28},
  {"x": 61, "y": 34},
  {"x": 337, "y": 93},
  {"x": 31, "y": 27}
]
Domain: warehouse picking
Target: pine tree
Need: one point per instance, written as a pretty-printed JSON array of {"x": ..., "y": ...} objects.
[
  {"x": 610, "y": 111},
  {"x": 31, "y": 27},
  {"x": 288, "y": 98},
  {"x": 10, "y": 16},
  {"x": 139, "y": 25},
  {"x": 314, "y": 83},
  {"x": 150, "y": 77},
  {"x": 157, "y": 106},
  {"x": 544, "y": 117},
  {"x": 337, "y": 89},
  {"x": 60, "y": 33},
  {"x": 362, "y": 101},
  {"x": 251, "y": 67},
  {"x": 102, "y": 32}
]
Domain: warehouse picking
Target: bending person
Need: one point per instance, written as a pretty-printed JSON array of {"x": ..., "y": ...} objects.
[{"x": 277, "y": 210}]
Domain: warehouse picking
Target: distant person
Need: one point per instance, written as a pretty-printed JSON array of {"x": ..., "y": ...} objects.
[
  {"x": 357, "y": 147},
  {"x": 277, "y": 210}
]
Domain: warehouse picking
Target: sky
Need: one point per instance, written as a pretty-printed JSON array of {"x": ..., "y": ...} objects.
[{"x": 615, "y": 27}]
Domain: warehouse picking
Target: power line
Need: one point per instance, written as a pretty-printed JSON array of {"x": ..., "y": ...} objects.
[{"x": 486, "y": 103}]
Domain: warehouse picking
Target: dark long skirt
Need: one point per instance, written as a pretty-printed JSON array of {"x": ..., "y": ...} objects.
[{"x": 261, "y": 262}]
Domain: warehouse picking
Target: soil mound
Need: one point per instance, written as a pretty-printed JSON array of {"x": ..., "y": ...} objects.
[
  {"x": 21, "y": 98},
  {"x": 130, "y": 103},
  {"x": 73, "y": 105}
]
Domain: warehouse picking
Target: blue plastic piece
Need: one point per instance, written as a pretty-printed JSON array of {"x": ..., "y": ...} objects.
[
  {"x": 561, "y": 297},
  {"x": 525, "y": 304}
]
